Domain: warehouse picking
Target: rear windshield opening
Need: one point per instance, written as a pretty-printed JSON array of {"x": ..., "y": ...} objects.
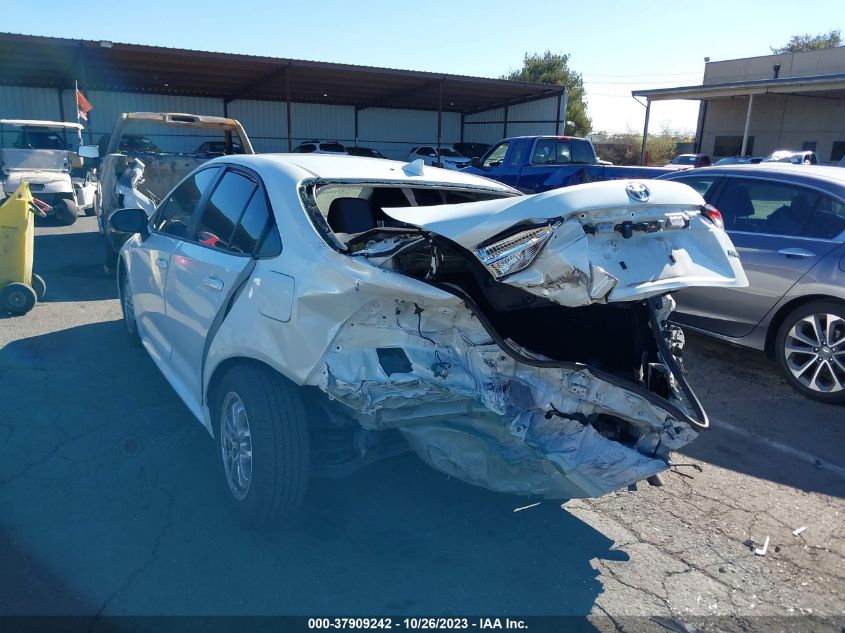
[{"x": 349, "y": 210}]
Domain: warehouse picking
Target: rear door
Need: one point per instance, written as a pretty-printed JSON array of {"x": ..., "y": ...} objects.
[
  {"x": 772, "y": 225},
  {"x": 207, "y": 268},
  {"x": 149, "y": 261}
]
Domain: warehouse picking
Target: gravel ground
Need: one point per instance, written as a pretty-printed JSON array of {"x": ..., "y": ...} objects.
[{"x": 111, "y": 502}]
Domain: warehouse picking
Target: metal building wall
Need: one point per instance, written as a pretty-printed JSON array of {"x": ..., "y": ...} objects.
[
  {"x": 395, "y": 132},
  {"x": 391, "y": 131},
  {"x": 534, "y": 117}
]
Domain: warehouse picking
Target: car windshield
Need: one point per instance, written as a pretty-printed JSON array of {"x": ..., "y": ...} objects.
[
  {"x": 730, "y": 160},
  {"x": 448, "y": 151},
  {"x": 32, "y": 137},
  {"x": 683, "y": 160},
  {"x": 332, "y": 147}
]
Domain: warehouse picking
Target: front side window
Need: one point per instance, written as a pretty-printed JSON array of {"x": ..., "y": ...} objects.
[
  {"x": 702, "y": 184},
  {"x": 425, "y": 151},
  {"x": 496, "y": 156},
  {"x": 174, "y": 214},
  {"x": 223, "y": 211}
]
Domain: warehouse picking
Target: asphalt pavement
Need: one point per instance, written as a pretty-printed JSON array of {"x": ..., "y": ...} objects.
[{"x": 112, "y": 502}]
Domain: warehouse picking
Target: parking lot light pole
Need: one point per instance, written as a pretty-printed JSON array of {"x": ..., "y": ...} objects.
[{"x": 747, "y": 125}]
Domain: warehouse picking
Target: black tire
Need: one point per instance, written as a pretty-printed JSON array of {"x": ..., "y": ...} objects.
[
  {"x": 90, "y": 211},
  {"x": 39, "y": 286},
  {"x": 127, "y": 308},
  {"x": 18, "y": 298},
  {"x": 824, "y": 362},
  {"x": 278, "y": 443},
  {"x": 109, "y": 252},
  {"x": 66, "y": 211}
]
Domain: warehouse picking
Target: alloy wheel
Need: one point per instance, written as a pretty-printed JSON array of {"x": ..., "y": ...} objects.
[
  {"x": 814, "y": 350},
  {"x": 236, "y": 445}
]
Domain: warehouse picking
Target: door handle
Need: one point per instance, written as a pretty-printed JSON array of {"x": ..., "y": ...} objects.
[
  {"x": 214, "y": 283},
  {"x": 162, "y": 262},
  {"x": 797, "y": 253}
]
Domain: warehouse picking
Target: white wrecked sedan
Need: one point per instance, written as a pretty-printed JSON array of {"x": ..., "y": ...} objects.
[{"x": 319, "y": 312}]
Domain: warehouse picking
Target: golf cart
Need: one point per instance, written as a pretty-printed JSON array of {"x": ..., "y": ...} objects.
[{"x": 41, "y": 153}]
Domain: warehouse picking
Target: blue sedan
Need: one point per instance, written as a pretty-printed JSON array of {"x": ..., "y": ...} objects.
[{"x": 788, "y": 224}]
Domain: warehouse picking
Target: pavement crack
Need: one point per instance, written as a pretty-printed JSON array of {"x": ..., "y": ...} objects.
[{"x": 152, "y": 559}]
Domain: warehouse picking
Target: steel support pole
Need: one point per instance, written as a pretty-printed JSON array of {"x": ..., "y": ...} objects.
[
  {"x": 356, "y": 126},
  {"x": 747, "y": 125},
  {"x": 505, "y": 123},
  {"x": 462, "y": 126},
  {"x": 439, "y": 116},
  {"x": 287, "y": 101},
  {"x": 645, "y": 131},
  {"x": 557, "y": 118}
]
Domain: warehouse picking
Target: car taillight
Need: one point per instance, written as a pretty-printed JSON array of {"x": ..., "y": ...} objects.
[{"x": 714, "y": 215}]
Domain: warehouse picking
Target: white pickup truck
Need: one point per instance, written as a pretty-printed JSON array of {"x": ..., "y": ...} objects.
[{"x": 149, "y": 153}]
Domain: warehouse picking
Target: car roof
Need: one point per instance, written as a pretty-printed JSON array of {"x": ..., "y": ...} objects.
[
  {"x": 346, "y": 167},
  {"x": 808, "y": 174},
  {"x": 27, "y": 123}
]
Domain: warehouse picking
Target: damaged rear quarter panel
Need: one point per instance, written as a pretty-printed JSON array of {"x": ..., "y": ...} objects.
[{"x": 465, "y": 406}]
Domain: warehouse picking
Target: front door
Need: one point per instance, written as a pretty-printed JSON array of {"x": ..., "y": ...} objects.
[
  {"x": 149, "y": 263},
  {"x": 208, "y": 267}
]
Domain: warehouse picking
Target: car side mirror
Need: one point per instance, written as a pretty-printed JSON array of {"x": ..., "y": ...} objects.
[
  {"x": 475, "y": 161},
  {"x": 130, "y": 221},
  {"x": 89, "y": 151}
]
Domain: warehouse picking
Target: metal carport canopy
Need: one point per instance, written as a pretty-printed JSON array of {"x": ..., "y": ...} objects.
[
  {"x": 50, "y": 62},
  {"x": 831, "y": 86}
]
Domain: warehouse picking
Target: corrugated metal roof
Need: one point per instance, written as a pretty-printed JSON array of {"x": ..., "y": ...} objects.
[{"x": 50, "y": 62}]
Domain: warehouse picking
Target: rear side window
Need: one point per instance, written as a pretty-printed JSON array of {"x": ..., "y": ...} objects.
[
  {"x": 223, "y": 211},
  {"x": 174, "y": 214},
  {"x": 252, "y": 226},
  {"x": 582, "y": 152},
  {"x": 828, "y": 221}
]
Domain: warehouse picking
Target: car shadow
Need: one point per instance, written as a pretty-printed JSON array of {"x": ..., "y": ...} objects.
[
  {"x": 57, "y": 259},
  {"x": 759, "y": 425},
  {"x": 116, "y": 488}
]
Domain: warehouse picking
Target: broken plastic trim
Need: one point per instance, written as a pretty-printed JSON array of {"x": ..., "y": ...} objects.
[{"x": 697, "y": 425}]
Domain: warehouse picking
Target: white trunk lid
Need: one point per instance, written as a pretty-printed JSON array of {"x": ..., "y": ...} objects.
[{"x": 612, "y": 241}]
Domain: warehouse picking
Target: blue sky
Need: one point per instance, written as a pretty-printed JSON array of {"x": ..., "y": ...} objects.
[{"x": 617, "y": 46}]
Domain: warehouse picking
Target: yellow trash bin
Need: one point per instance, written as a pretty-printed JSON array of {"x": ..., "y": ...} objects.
[{"x": 19, "y": 287}]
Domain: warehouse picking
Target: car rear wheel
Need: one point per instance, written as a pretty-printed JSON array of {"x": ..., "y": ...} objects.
[
  {"x": 263, "y": 440},
  {"x": 810, "y": 348},
  {"x": 66, "y": 212},
  {"x": 127, "y": 307}
]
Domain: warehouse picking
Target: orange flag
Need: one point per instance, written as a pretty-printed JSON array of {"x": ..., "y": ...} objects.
[{"x": 83, "y": 105}]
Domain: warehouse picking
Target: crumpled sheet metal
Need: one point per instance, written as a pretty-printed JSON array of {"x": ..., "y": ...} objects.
[
  {"x": 507, "y": 444},
  {"x": 556, "y": 459}
]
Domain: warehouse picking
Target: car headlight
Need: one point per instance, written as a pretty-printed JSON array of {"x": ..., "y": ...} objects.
[{"x": 515, "y": 252}]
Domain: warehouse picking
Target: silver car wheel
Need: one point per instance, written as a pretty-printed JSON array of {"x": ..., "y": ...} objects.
[
  {"x": 814, "y": 350},
  {"x": 236, "y": 445}
]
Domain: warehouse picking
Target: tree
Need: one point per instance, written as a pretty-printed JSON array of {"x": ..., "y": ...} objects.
[
  {"x": 807, "y": 42},
  {"x": 553, "y": 68}
]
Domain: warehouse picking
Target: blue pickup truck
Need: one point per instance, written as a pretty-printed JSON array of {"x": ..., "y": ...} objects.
[{"x": 538, "y": 163}]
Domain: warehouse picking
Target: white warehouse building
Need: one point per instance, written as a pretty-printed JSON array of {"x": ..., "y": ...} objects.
[{"x": 280, "y": 102}]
